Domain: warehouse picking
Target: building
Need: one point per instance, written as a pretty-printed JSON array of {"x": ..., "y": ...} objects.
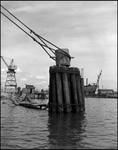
[
  {"x": 31, "y": 90},
  {"x": 90, "y": 89},
  {"x": 105, "y": 92}
]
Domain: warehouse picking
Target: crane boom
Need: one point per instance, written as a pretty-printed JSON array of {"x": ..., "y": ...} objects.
[
  {"x": 45, "y": 44},
  {"x": 4, "y": 62},
  {"x": 11, "y": 66},
  {"x": 99, "y": 77},
  {"x": 11, "y": 62}
]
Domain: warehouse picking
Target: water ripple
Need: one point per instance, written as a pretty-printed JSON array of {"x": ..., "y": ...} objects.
[{"x": 23, "y": 128}]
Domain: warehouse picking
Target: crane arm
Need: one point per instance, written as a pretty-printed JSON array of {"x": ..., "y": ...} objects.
[
  {"x": 43, "y": 40},
  {"x": 4, "y": 61},
  {"x": 11, "y": 62},
  {"x": 99, "y": 77}
]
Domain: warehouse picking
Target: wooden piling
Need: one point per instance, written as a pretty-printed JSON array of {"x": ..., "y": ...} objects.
[
  {"x": 53, "y": 100},
  {"x": 79, "y": 95},
  {"x": 50, "y": 93},
  {"x": 82, "y": 94},
  {"x": 66, "y": 91},
  {"x": 74, "y": 96},
  {"x": 59, "y": 92}
]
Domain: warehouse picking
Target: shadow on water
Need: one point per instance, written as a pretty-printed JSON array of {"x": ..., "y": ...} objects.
[{"x": 66, "y": 130}]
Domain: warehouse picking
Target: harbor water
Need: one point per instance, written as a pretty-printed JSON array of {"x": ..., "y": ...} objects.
[{"x": 25, "y": 128}]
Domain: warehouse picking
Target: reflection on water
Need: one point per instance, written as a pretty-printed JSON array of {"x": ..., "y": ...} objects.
[
  {"x": 66, "y": 130},
  {"x": 24, "y": 128}
]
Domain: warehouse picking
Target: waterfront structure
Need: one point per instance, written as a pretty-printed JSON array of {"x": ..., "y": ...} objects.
[
  {"x": 105, "y": 92},
  {"x": 31, "y": 90},
  {"x": 66, "y": 88},
  {"x": 90, "y": 89}
]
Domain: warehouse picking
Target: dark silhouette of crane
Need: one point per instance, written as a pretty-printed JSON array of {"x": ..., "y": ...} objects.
[
  {"x": 10, "y": 79},
  {"x": 93, "y": 87},
  {"x": 99, "y": 79}
]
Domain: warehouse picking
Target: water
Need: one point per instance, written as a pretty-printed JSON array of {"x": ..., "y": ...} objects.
[{"x": 24, "y": 128}]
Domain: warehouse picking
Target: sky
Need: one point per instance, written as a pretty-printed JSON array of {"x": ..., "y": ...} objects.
[{"x": 88, "y": 29}]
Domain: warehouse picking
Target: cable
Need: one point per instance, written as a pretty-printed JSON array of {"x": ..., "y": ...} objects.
[
  {"x": 27, "y": 34},
  {"x": 41, "y": 38}
]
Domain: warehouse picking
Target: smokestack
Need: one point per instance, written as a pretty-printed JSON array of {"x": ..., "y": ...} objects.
[
  {"x": 82, "y": 73},
  {"x": 86, "y": 81}
]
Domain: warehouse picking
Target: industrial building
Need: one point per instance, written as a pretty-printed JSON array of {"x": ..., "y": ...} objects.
[{"x": 105, "y": 92}]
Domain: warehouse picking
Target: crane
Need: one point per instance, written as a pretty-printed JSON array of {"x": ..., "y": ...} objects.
[
  {"x": 98, "y": 82},
  {"x": 47, "y": 46},
  {"x": 11, "y": 66},
  {"x": 93, "y": 87},
  {"x": 99, "y": 78},
  {"x": 10, "y": 79}
]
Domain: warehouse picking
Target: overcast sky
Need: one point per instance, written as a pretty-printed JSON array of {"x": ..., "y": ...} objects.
[{"x": 87, "y": 28}]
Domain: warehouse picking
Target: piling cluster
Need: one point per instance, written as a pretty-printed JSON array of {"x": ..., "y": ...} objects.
[{"x": 66, "y": 89}]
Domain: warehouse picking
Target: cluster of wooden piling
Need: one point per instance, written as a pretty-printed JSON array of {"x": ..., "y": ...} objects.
[{"x": 66, "y": 89}]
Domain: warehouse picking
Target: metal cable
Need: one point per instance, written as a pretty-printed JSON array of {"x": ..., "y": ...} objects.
[
  {"x": 27, "y": 34},
  {"x": 41, "y": 38}
]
